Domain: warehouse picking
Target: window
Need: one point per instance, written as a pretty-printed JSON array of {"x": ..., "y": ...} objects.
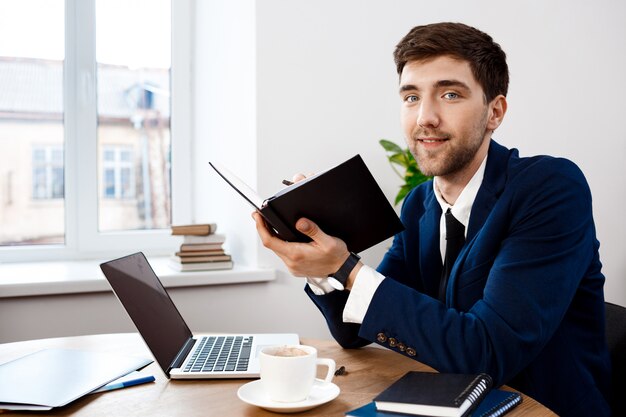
[
  {"x": 117, "y": 173},
  {"x": 85, "y": 138},
  {"x": 48, "y": 179}
]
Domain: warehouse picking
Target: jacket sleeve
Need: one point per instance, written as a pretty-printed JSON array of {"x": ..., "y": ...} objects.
[
  {"x": 535, "y": 248},
  {"x": 332, "y": 304}
]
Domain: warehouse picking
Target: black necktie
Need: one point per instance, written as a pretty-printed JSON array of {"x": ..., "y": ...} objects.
[{"x": 455, "y": 239}]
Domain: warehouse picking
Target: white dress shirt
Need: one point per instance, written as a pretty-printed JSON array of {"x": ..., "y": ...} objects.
[{"x": 368, "y": 279}]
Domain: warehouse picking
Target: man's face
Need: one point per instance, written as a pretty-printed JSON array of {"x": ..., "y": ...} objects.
[{"x": 444, "y": 115}]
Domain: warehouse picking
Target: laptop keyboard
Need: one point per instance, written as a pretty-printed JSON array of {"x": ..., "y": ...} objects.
[{"x": 221, "y": 354}]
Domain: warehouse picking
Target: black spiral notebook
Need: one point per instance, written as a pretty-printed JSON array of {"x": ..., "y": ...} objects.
[
  {"x": 434, "y": 394},
  {"x": 344, "y": 201},
  {"x": 497, "y": 403}
]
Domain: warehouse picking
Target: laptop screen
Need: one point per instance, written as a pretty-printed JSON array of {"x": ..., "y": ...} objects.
[{"x": 149, "y": 306}]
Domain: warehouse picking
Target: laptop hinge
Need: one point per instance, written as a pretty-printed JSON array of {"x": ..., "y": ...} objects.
[{"x": 182, "y": 354}]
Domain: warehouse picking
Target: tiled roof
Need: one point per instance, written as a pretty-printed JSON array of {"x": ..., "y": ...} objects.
[{"x": 31, "y": 86}]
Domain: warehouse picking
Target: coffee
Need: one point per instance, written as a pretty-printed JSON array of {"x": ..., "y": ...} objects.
[
  {"x": 288, "y": 372},
  {"x": 288, "y": 351}
]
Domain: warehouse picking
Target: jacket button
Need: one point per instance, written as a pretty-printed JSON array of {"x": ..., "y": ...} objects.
[
  {"x": 410, "y": 351},
  {"x": 381, "y": 337},
  {"x": 392, "y": 342},
  {"x": 401, "y": 347}
]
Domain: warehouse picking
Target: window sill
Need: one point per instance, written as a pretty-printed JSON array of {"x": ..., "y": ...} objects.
[{"x": 73, "y": 277}]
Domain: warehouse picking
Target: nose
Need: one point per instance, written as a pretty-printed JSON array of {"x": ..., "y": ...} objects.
[{"x": 428, "y": 115}]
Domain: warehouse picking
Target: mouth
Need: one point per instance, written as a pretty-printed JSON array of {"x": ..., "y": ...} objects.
[{"x": 432, "y": 140}]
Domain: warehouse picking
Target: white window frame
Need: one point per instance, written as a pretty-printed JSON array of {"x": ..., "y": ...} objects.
[{"x": 82, "y": 238}]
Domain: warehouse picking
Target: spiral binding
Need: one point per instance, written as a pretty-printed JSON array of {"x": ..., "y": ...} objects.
[
  {"x": 475, "y": 390},
  {"x": 500, "y": 410}
]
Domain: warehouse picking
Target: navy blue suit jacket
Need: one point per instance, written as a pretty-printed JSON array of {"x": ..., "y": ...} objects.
[{"x": 524, "y": 301}]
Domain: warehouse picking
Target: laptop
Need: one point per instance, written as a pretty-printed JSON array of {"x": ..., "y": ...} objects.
[{"x": 178, "y": 352}]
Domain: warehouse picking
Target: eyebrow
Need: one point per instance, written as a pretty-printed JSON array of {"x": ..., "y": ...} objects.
[{"x": 437, "y": 84}]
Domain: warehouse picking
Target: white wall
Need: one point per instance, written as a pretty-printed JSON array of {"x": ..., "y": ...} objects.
[{"x": 225, "y": 124}]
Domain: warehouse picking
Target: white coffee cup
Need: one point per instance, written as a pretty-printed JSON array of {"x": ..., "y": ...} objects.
[{"x": 288, "y": 371}]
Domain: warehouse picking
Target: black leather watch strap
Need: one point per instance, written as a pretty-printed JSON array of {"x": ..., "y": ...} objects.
[{"x": 338, "y": 279}]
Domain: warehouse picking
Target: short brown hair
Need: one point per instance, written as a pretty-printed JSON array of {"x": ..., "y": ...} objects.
[{"x": 485, "y": 57}]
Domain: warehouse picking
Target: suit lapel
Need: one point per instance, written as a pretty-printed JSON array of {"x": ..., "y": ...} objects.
[
  {"x": 493, "y": 183},
  {"x": 490, "y": 189},
  {"x": 430, "y": 253}
]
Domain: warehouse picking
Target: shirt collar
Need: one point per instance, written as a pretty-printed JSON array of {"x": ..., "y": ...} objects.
[{"x": 463, "y": 205}]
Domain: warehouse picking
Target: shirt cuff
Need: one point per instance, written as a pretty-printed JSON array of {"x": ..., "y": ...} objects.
[
  {"x": 365, "y": 285},
  {"x": 319, "y": 286}
]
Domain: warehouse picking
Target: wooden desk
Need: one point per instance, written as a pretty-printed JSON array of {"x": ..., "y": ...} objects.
[{"x": 369, "y": 371}]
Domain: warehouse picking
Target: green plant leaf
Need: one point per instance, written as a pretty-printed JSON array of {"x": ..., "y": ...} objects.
[
  {"x": 399, "y": 158},
  {"x": 412, "y": 176},
  {"x": 389, "y": 146}
]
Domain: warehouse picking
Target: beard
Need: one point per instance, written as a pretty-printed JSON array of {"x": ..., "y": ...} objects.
[{"x": 457, "y": 152}]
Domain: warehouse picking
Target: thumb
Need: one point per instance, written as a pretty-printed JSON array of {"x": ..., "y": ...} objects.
[
  {"x": 326, "y": 242},
  {"x": 311, "y": 229}
]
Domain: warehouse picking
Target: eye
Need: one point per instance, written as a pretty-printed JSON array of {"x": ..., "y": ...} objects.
[
  {"x": 450, "y": 96},
  {"x": 411, "y": 98}
]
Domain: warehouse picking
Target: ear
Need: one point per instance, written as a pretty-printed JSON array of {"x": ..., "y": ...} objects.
[{"x": 497, "y": 110}]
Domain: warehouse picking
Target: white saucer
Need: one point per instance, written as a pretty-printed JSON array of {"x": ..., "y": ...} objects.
[{"x": 321, "y": 393}]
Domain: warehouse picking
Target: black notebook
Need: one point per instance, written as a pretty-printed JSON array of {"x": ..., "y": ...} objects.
[
  {"x": 344, "y": 201},
  {"x": 434, "y": 394}
]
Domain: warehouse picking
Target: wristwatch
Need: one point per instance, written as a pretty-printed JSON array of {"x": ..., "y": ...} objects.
[{"x": 338, "y": 279}]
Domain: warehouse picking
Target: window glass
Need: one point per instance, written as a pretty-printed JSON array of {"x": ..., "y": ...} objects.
[
  {"x": 32, "y": 53},
  {"x": 133, "y": 99}
]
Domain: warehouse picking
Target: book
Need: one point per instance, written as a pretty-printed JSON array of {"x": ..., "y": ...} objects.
[
  {"x": 344, "y": 201},
  {"x": 197, "y": 259},
  {"x": 434, "y": 394},
  {"x": 199, "y": 247},
  {"x": 194, "y": 229},
  {"x": 196, "y": 239},
  {"x": 497, "y": 403},
  {"x": 201, "y": 266},
  {"x": 191, "y": 254}
]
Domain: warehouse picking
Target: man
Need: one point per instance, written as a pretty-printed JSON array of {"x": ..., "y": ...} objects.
[{"x": 523, "y": 301}]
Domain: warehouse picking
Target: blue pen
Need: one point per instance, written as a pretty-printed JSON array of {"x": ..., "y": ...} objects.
[{"x": 129, "y": 383}]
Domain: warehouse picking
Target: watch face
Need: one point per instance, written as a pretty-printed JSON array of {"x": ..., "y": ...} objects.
[{"x": 335, "y": 284}]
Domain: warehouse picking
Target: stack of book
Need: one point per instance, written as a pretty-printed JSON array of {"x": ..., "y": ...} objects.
[
  {"x": 431, "y": 394},
  {"x": 201, "y": 249}
]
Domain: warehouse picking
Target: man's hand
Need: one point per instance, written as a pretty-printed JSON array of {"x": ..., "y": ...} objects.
[{"x": 319, "y": 258}]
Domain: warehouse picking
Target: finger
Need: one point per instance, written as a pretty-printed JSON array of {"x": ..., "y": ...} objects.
[
  {"x": 267, "y": 238},
  {"x": 276, "y": 245},
  {"x": 332, "y": 252},
  {"x": 313, "y": 231},
  {"x": 261, "y": 227},
  {"x": 298, "y": 177}
]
